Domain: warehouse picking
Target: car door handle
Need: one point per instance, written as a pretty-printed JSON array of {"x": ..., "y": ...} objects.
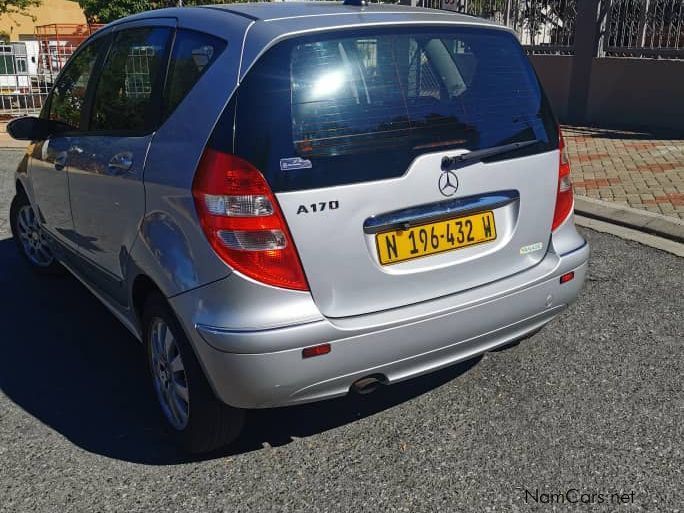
[
  {"x": 120, "y": 163},
  {"x": 60, "y": 160}
]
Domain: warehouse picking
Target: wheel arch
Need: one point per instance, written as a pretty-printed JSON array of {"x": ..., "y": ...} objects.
[
  {"x": 143, "y": 286},
  {"x": 19, "y": 188}
]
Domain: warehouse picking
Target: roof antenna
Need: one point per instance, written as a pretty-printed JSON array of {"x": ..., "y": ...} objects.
[{"x": 357, "y": 3}]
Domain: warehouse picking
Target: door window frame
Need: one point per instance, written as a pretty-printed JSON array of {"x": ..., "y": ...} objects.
[
  {"x": 94, "y": 79},
  {"x": 157, "y": 88},
  {"x": 99, "y": 36}
]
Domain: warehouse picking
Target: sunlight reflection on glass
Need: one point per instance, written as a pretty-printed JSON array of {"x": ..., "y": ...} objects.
[{"x": 328, "y": 83}]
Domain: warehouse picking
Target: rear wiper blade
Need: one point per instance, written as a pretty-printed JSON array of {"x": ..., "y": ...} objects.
[{"x": 451, "y": 162}]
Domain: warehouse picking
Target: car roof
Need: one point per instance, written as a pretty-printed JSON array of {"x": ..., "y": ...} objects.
[
  {"x": 280, "y": 18},
  {"x": 260, "y": 25},
  {"x": 270, "y": 11}
]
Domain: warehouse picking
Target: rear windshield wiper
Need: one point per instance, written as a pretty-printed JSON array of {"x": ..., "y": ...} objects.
[{"x": 476, "y": 155}]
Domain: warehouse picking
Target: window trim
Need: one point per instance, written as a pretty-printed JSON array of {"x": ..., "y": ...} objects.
[
  {"x": 47, "y": 107},
  {"x": 92, "y": 85},
  {"x": 164, "y": 116},
  {"x": 159, "y": 86},
  {"x": 156, "y": 104}
]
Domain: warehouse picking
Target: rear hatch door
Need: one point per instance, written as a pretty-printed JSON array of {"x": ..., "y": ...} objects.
[{"x": 362, "y": 136}]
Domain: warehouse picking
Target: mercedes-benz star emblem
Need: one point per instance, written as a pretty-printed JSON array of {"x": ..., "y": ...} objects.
[{"x": 448, "y": 183}]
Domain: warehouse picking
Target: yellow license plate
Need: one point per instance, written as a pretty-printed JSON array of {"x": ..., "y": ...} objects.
[{"x": 428, "y": 239}]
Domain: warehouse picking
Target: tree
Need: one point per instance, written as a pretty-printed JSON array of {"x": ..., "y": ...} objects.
[
  {"x": 16, "y": 6},
  {"x": 553, "y": 19},
  {"x": 104, "y": 11}
]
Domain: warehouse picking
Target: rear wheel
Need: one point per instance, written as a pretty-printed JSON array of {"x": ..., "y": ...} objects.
[
  {"x": 198, "y": 420},
  {"x": 31, "y": 238}
]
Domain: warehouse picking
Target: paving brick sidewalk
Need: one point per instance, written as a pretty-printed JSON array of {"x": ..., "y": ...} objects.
[{"x": 637, "y": 169}]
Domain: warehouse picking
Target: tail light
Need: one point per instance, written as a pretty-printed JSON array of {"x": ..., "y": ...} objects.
[
  {"x": 564, "y": 198},
  {"x": 243, "y": 222}
]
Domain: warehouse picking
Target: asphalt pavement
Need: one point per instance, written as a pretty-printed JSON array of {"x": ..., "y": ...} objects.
[{"x": 590, "y": 407}]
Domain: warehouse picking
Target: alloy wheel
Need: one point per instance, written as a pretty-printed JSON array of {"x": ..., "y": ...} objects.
[
  {"x": 169, "y": 375},
  {"x": 32, "y": 238}
]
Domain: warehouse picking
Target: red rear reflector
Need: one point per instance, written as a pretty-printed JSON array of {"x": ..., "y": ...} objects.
[
  {"x": 243, "y": 223},
  {"x": 567, "y": 277},
  {"x": 564, "y": 198},
  {"x": 318, "y": 350}
]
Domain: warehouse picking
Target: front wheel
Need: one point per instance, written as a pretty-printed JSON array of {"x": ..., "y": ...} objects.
[
  {"x": 30, "y": 237},
  {"x": 198, "y": 420}
]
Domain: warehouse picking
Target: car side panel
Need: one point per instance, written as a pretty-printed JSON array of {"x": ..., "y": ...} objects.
[
  {"x": 21, "y": 174},
  {"x": 50, "y": 186},
  {"x": 172, "y": 249}
]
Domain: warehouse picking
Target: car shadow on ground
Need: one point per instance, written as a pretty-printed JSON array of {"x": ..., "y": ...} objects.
[{"x": 70, "y": 364}]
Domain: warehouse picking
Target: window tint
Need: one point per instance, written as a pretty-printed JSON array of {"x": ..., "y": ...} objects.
[
  {"x": 127, "y": 96},
  {"x": 68, "y": 96},
  {"x": 193, "y": 53},
  {"x": 386, "y": 96}
]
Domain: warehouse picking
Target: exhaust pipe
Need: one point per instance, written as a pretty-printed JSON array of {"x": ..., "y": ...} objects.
[{"x": 368, "y": 384}]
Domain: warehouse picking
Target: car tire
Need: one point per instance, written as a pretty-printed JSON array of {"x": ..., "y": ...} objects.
[
  {"x": 30, "y": 238},
  {"x": 198, "y": 421}
]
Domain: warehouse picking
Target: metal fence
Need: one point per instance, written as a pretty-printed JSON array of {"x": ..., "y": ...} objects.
[
  {"x": 21, "y": 88},
  {"x": 629, "y": 28},
  {"x": 644, "y": 28},
  {"x": 544, "y": 26},
  {"x": 28, "y": 69}
]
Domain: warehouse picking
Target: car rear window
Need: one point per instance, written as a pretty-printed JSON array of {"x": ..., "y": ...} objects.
[{"x": 348, "y": 107}]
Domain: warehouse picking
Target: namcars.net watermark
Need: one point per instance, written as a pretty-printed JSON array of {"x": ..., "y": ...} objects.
[{"x": 576, "y": 496}]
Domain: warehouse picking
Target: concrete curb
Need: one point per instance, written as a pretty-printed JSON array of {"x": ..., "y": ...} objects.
[
  {"x": 642, "y": 220},
  {"x": 629, "y": 234}
]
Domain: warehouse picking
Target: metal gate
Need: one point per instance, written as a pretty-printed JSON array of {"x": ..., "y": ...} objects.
[
  {"x": 628, "y": 28},
  {"x": 28, "y": 69}
]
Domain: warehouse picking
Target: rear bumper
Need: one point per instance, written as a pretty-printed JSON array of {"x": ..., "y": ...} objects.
[{"x": 265, "y": 368}]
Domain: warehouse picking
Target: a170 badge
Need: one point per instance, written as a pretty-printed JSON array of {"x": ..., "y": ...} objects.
[{"x": 318, "y": 207}]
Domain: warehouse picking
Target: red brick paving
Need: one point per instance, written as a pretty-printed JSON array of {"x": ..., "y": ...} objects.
[
  {"x": 637, "y": 169},
  {"x": 591, "y": 156},
  {"x": 658, "y": 168}
]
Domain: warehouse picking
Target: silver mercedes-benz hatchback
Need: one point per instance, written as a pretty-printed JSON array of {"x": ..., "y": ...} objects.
[{"x": 286, "y": 202}]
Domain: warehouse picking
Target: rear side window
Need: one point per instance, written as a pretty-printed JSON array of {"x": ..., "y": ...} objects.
[
  {"x": 127, "y": 94},
  {"x": 193, "y": 53},
  {"x": 360, "y": 106}
]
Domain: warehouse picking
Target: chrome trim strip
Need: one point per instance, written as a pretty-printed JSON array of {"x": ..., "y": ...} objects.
[
  {"x": 364, "y": 13},
  {"x": 422, "y": 214},
  {"x": 242, "y": 52}
]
